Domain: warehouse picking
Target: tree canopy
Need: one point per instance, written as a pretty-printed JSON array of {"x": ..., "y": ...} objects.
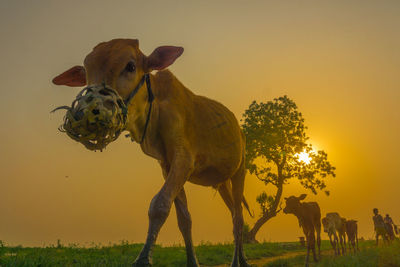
[{"x": 275, "y": 139}]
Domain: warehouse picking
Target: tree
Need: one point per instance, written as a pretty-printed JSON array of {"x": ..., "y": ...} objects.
[{"x": 277, "y": 151}]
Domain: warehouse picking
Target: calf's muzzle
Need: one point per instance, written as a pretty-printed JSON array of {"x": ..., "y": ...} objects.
[{"x": 96, "y": 117}]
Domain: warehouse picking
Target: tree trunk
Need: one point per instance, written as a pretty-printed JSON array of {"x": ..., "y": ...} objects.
[{"x": 250, "y": 237}]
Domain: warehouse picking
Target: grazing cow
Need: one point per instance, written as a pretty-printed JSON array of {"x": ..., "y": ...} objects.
[
  {"x": 333, "y": 224},
  {"x": 352, "y": 234},
  {"x": 309, "y": 216},
  {"x": 195, "y": 139}
]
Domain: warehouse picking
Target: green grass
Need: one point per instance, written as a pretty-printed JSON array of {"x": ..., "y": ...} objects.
[
  {"x": 368, "y": 256},
  {"x": 208, "y": 254},
  {"x": 124, "y": 254}
]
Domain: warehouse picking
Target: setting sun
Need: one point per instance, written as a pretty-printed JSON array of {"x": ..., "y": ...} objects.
[{"x": 304, "y": 157}]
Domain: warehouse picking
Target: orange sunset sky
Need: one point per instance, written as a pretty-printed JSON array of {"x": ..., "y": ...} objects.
[{"x": 338, "y": 60}]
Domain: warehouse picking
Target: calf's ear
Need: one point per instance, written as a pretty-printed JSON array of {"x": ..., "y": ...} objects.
[
  {"x": 162, "y": 57},
  {"x": 302, "y": 196},
  {"x": 74, "y": 77}
]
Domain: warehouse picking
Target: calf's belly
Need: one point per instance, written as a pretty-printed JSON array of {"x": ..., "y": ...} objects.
[{"x": 208, "y": 177}]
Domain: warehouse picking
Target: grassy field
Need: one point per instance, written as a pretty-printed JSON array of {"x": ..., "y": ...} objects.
[
  {"x": 368, "y": 256},
  {"x": 208, "y": 254}
]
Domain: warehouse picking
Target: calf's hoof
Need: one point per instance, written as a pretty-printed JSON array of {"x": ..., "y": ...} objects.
[
  {"x": 193, "y": 263},
  {"x": 142, "y": 262},
  {"x": 243, "y": 263},
  {"x": 235, "y": 264}
]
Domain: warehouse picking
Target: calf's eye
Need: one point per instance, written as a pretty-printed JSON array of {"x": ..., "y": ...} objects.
[{"x": 130, "y": 67}]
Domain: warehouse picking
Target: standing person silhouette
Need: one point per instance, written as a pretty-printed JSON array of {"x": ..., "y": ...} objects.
[
  {"x": 389, "y": 227},
  {"x": 379, "y": 225}
]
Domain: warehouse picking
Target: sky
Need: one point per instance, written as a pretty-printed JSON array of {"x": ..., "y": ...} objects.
[{"x": 338, "y": 60}]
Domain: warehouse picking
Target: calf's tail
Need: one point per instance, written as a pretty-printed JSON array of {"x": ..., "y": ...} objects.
[{"x": 246, "y": 205}]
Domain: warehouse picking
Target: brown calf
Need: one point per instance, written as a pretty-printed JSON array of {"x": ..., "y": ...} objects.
[
  {"x": 352, "y": 234},
  {"x": 309, "y": 216},
  {"x": 195, "y": 139}
]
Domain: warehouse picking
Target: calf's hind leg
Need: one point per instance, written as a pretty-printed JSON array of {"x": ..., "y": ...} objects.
[
  {"x": 225, "y": 190},
  {"x": 237, "y": 194}
]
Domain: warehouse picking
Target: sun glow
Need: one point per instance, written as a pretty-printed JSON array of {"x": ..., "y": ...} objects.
[{"x": 304, "y": 157}]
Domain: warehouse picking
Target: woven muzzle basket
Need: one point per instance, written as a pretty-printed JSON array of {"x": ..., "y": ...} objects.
[{"x": 96, "y": 117}]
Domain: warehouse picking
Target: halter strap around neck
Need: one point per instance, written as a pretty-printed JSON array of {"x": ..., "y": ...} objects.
[
  {"x": 145, "y": 78},
  {"x": 134, "y": 91}
]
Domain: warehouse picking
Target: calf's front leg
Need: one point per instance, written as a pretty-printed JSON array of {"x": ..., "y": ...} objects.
[
  {"x": 333, "y": 244},
  {"x": 308, "y": 240},
  {"x": 160, "y": 205},
  {"x": 185, "y": 226}
]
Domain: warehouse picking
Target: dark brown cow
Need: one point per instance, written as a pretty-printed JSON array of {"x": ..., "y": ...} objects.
[
  {"x": 352, "y": 234},
  {"x": 309, "y": 216}
]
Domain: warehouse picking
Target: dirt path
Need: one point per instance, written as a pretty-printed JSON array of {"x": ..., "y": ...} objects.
[{"x": 263, "y": 261}]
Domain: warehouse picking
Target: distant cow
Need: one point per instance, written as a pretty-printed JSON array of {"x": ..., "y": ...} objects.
[
  {"x": 309, "y": 216},
  {"x": 333, "y": 224},
  {"x": 352, "y": 234}
]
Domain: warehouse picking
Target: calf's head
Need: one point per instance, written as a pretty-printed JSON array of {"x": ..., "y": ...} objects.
[
  {"x": 118, "y": 68},
  {"x": 325, "y": 223},
  {"x": 343, "y": 225},
  {"x": 293, "y": 204},
  {"x": 119, "y": 64}
]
